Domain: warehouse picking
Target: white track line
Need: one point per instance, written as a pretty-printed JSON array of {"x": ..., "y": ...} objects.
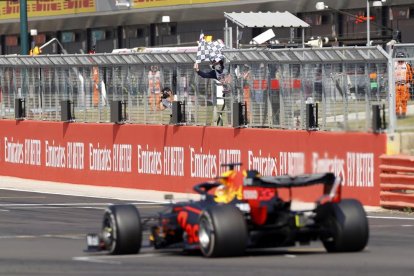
[
  {"x": 70, "y": 204},
  {"x": 79, "y": 195},
  {"x": 95, "y": 260},
  {"x": 20, "y": 197},
  {"x": 401, "y": 218},
  {"x": 110, "y": 259},
  {"x": 51, "y": 204},
  {"x": 68, "y": 236}
]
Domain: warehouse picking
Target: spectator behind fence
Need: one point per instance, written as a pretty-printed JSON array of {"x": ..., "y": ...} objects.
[
  {"x": 154, "y": 88},
  {"x": 246, "y": 79},
  {"x": 260, "y": 93},
  {"x": 274, "y": 93},
  {"x": 166, "y": 98},
  {"x": 95, "y": 79},
  {"x": 95, "y": 91}
]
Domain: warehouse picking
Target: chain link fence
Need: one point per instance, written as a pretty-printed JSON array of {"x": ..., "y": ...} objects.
[{"x": 274, "y": 86}]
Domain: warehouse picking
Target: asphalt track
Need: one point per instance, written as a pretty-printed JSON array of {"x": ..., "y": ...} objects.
[{"x": 44, "y": 234}]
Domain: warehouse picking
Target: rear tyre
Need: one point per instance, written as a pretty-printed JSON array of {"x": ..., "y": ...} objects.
[
  {"x": 122, "y": 230},
  {"x": 345, "y": 226},
  {"x": 222, "y": 231}
]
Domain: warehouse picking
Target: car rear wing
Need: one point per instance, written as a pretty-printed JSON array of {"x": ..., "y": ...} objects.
[
  {"x": 287, "y": 181},
  {"x": 331, "y": 183}
]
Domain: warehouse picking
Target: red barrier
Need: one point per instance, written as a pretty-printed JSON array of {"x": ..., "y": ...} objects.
[
  {"x": 397, "y": 181},
  {"x": 174, "y": 158}
]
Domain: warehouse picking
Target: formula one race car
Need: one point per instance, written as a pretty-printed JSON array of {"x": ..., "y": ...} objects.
[{"x": 245, "y": 211}]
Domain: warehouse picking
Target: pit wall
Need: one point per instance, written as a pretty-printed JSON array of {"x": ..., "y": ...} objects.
[{"x": 174, "y": 158}]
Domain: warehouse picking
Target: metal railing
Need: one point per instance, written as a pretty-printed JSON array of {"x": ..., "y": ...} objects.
[{"x": 275, "y": 86}]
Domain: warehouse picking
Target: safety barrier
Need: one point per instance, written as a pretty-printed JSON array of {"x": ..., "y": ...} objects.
[
  {"x": 397, "y": 181},
  {"x": 174, "y": 158}
]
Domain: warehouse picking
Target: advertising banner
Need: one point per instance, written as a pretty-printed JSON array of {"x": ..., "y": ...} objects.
[
  {"x": 10, "y": 9},
  {"x": 175, "y": 158},
  {"x": 139, "y": 4}
]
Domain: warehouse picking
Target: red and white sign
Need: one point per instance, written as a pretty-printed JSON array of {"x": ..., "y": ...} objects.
[{"x": 174, "y": 158}]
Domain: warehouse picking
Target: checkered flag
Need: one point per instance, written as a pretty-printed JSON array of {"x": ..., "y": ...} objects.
[
  {"x": 210, "y": 51},
  {"x": 202, "y": 51}
]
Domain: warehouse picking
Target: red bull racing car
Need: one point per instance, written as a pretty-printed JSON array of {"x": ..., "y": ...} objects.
[{"x": 237, "y": 211}]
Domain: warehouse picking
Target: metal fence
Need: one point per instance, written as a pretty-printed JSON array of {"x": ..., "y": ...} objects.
[{"x": 275, "y": 86}]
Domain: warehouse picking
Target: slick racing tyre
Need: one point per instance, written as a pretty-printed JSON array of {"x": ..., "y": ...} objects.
[
  {"x": 345, "y": 225},
  {"x": 222, "y": 231},
  {"x": 122, "y": 230}
]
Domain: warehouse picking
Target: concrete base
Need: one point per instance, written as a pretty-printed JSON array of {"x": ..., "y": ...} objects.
[
  {"x": 407, "y": 143},
  {"x": 393, "y": 143},
  {"x": 400, "y": 143}
]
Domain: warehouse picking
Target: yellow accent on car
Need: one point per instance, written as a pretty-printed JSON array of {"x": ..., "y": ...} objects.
[{"x": 298, "y": 221}]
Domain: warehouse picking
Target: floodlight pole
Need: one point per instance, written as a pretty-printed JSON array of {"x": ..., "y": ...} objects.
[
  {"x": 237, "y": 36},
  {"x": 24, "y": 36},
  {"x": 368, "y": 25},
  {"x": 369, "y": 20},
  {"x": 303, "y": 37}
]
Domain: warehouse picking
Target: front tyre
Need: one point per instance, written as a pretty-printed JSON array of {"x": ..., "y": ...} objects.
[
  {"x": 345, "y": 226},
  {"x": 122, "y": 230},
  {"x": 222, "y": 231}
]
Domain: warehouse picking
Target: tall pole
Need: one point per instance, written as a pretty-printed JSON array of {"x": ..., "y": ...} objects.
[
  {"x": 368, "y": 24},
  {"x": 24, "y": 37}
]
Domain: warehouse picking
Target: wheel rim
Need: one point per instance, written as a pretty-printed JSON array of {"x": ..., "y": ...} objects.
[
  {"x": 109, "y": 232},
  {"x": 205, "y": 234}
]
